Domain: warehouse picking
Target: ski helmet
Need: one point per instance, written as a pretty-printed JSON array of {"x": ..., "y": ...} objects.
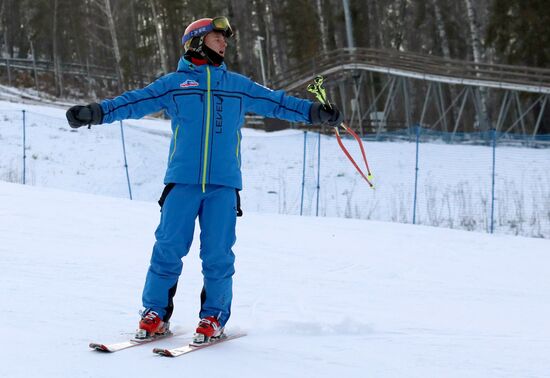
[{"x": 194, "y": 34}]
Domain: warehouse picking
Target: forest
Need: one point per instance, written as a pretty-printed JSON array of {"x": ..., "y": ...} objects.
[
  {"x": 139, "y": 40},
  {"x": 90, "y": 49}
]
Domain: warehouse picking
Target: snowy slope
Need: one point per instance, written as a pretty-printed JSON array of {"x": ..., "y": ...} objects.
[
  {"x": 320, "y": 297},
  {"x": 454, "y": 181}
]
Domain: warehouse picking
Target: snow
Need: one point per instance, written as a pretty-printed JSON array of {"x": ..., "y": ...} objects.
[
  {"x": 454, "y": 181},
  {"x": 318, "y": 296}
]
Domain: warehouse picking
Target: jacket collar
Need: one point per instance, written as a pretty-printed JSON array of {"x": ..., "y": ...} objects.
[{"x": 186, "y": 66}]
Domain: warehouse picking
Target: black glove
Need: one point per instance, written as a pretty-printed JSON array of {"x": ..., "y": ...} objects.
[
  {"x": 320, "y": 114},
  {"x": 85, "y": 115}
]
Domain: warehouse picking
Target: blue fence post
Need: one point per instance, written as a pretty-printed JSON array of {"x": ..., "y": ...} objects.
[
  {"x": 24, "y": 148},
  {"x": 494, "y": 136},
  {"x": 416, "y": 172},
  {"x": 318, "y": 171},
  {"x": 303, "y": 175},
  {"x": 125, "y": 161}
]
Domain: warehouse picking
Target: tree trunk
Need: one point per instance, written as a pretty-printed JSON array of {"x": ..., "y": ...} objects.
[
  {"x": 440, "y": 25},
  {"x": 372, "y": 28},
  {"x": 137, "y": 67},
  {"x": 275, "y": 44},
  {"x": 445, "y": 49},
  {"x": 3, "y": 27},
  {"x": 245, "y": 44},
  {"x": 7, "y": 26},
  {"x": 474, "y": 31},
  {"x": 112, "y": 30},
  {"x": 160, "y": 37},
  {"x": 380, "y": 32},
  {"x": 476, "y": 50},
  {"x": 30, "y": 34},
  {"x": 322, "y": 26},
  {"x": 58, "y": 74}
]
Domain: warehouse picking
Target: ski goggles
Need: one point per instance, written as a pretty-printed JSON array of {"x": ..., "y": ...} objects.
[{"x": 220, "y": 24}]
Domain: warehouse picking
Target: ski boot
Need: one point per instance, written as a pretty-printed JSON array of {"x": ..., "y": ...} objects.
[
  {"x": 151, "y": 325},
  {"x": 208, "y": 330}
]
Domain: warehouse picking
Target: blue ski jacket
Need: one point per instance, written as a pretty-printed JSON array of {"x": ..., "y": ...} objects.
[{"x": 207, "y": 105}]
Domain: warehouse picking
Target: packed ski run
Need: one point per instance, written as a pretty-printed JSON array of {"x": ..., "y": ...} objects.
[{"x": 318, "y": 297}]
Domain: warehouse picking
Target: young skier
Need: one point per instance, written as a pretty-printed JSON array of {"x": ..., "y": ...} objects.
[{"x": 207, "y": 105}]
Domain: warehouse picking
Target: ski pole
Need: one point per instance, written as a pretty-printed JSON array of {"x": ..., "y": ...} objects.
[{"x": 320, "y": 93}]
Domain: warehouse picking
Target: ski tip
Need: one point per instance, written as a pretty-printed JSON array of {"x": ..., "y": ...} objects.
[
  {"x": 99, "y": 347},
  {"x": 162, "y": 352}
]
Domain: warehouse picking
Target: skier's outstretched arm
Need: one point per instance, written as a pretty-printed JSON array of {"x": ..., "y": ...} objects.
[
  {"x": 277, "y": 104},
  {"x": 129, "y": 105}
]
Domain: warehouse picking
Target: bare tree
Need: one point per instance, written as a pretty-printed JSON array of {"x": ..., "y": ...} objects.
[
  {"x": 58, "y": 73},
  {"x": 275, "y": 45},
  {"x": 105, "y": 7},
  {"x": 476, "y": 50},
  {"x": 160, "y": 37},
  {"x": 247, "y": 30},
  {"x": 322, "y": 26},
  {"x": 2, "y": 24},
  {"x": 474, "y": 31},
  {"x": 30, "y": 33},
  {"x": 444, "y": 40}
]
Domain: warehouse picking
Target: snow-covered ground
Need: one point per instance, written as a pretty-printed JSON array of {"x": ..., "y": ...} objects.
[
  {"x": 319, "y": 297},
  {"x": 454, "y": 181}
]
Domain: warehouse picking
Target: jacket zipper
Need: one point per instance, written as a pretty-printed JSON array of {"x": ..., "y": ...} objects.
[{"x": 206, "y": 140}]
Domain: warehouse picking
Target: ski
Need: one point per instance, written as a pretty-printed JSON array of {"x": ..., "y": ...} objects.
[
  {"x": 115, "y": 347},
  {"x": 176, "y": 352}
]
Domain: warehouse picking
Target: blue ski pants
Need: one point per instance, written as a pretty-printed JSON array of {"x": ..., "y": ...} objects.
[{"x": 216, "y": 210}]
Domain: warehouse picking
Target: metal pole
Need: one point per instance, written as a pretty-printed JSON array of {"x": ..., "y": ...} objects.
[
  {"x": 519, "y": 110},
  {"x": 416, "y": 172},
  {"x": 24, "y": 147},
  {"x": 493, "y": 183},
  {"x": 34, "y": 65},
  {"x": 303, "y": 175},
  {"x": 318, "y": 171},
  {"x": 425, "y": 106},
  {"x": 9, "y": 71},
  {"x": 387, "y": 107},
  {"x": 349, "y": 26},
  {"x": 459, "y": 116},
  {"x": 442, "y": 112},
  {"x": 390, "y": 99},
  {"x": 357, "y": 100},
  {"x": 479, "y": 107},
  {"x": 374, "y": 103},
  {"x": 525, "y": 113},
  {"x": 125, "y": 161},
  {"x": 406, "y": 102},
  {"x": 503, "y": 110},
  {"x": 537, "y": 125},
  {"x": 259, "y": 40}
]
